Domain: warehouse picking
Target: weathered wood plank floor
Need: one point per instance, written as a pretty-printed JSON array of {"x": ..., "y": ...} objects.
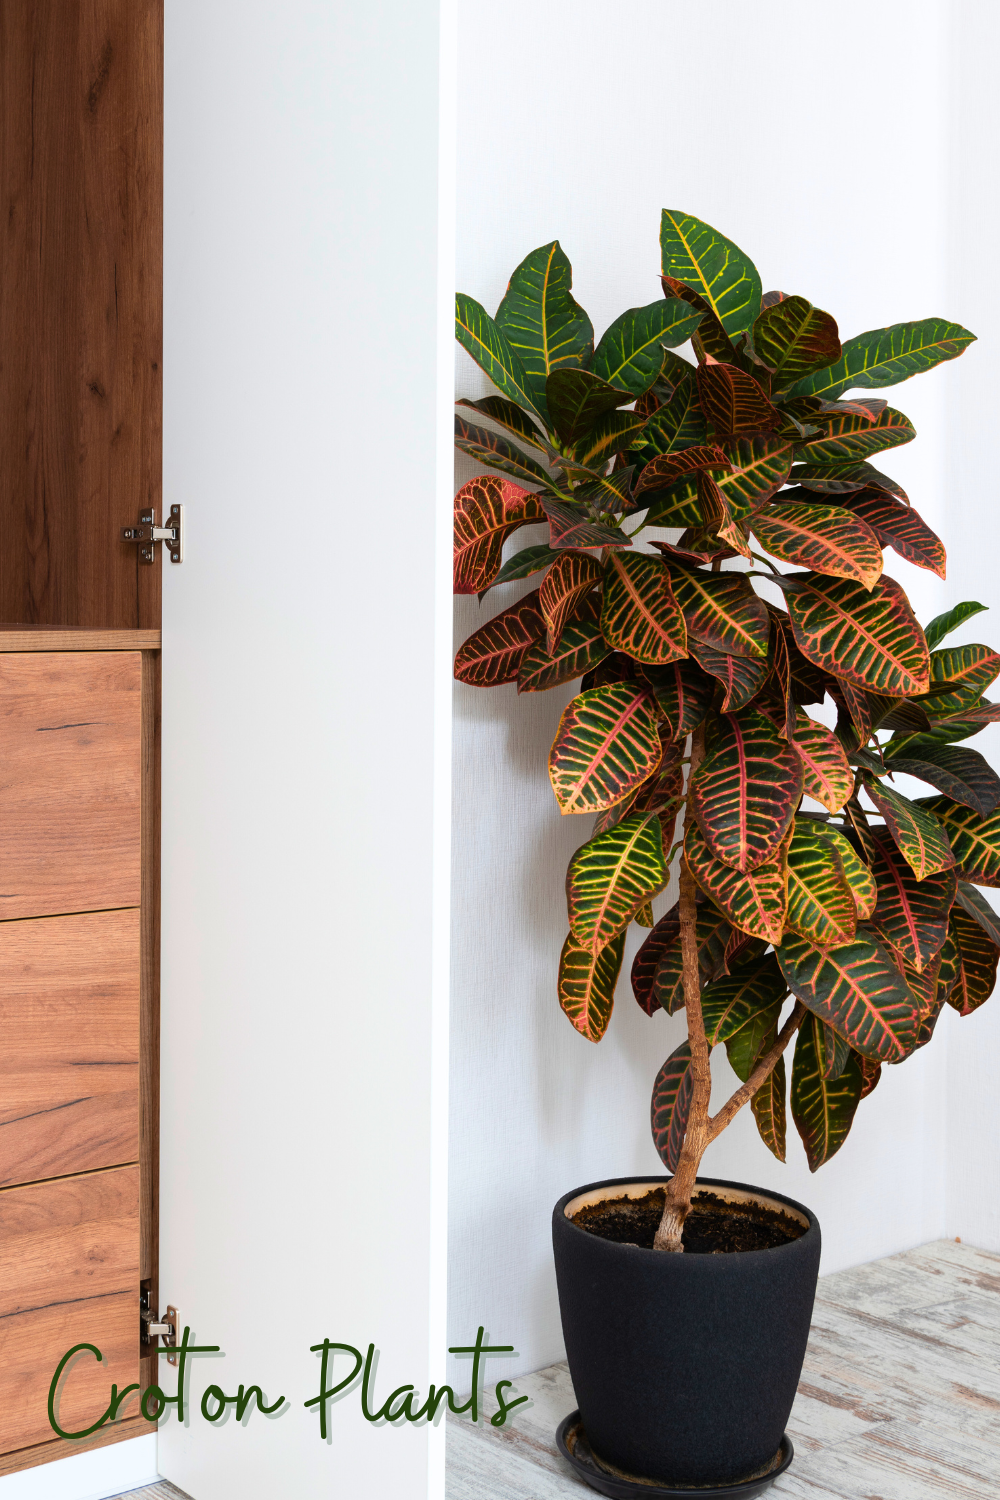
[
  {"x": 161, "y": 1491},
  {"x": 899, "y": 1398}
]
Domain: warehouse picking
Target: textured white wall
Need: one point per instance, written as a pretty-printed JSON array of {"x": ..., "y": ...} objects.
[{"x": 776, "y": 123}]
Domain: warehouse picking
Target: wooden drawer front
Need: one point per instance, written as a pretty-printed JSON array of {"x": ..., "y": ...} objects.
[
  {"x": 70, "y": 781},
  {"x": 69, "y": 1273},
  {"x": 69, "y": 1045}
]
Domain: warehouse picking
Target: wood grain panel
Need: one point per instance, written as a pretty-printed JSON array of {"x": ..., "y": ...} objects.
[
  {"x": 73, "y": 638},
  {"x": 71, "y": 785},
  {"x": 69, "y": 1045},
  {"x": 81, "y": 173},
  {"x": 69, "y": 1273}
]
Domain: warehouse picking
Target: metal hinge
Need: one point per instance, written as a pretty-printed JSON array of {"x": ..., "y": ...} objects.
[
  {"x": 147, "y": 533},
  {"x": 150, "y": 1328}
]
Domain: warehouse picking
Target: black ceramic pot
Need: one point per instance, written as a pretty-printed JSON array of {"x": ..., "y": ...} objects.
[{"x": 684, "y": 1366}]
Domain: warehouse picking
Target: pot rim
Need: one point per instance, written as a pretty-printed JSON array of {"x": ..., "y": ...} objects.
[{"x": 594, "y": 1192}]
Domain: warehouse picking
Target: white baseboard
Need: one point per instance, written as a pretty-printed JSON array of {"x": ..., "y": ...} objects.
[{"x": 96, "y": 1475}]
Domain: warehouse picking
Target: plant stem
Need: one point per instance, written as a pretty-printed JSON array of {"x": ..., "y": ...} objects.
[{"x": 759, "y": 1075}]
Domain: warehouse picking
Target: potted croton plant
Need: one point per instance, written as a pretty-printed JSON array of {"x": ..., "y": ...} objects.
[{"x": 713, "y": 571}]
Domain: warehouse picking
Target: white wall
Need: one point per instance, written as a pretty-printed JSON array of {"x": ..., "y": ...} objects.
[{"x": 780, "y": 124}]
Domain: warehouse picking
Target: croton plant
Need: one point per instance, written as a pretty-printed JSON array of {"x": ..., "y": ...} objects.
[{"x": 670, "y": 486}]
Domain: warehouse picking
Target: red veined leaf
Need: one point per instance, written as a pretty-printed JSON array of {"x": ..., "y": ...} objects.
[
  {"x": 768, "y": 1105},
  {"x": 487, "y": 510},
  {"x": 791, "y": 338},
  {"x": 730, "y": 1003},
  {"x": 824, "y": 538},
  {"x": 745, "y": 793},
  {"x": 977, "y": 907},
  {"x": 493, "y": 654},
  {"x": 898, "y": 526},
  {"x": 850, "y": 438},
  {"x": 683, "y": 695},
  {"x": 717, "y": 516},
  {"x": 870, "y": 639},
  {"x": 970, "y": 720},
  {"x": 667, "y": 468},
  {"x": 577, "y": 398},
  {"x": 962, "y": 774},
  {"x": 780, "y": 682},
  {"x": 514, "y": 418},
  {"x": 958, "y": 677},
  {"x": 742, "y": 677},
  {"x": 640, "y": 613},
  {"x": 862, "y": 833},
  {"x": 910, "y": 914},
  {"x": 587, "y": 984},
  {"x": 612, "y": 875},
  {"x": 709, "y": 339},
  {"x": 606, "y": 744},
  {"x": 759, "y": 467},
  {"x": 925, "y": 989},
  {"x": 871, "y": 1072},
  {"x": 645, "y": 963},
  {"x": 721, "y": 610},
  {"x": 681, "y": 554},
  {"x": 832, "y": 1050},
  {"x": 754, "y": 902},
  {"x": 572, "y": 575},
  {"x": 671, "y": 1105},
  {"x": 857, "y": 989},
  {"x": 844, "y": 479},
  {"x": 734, "y": 403},
  {"x": 860, "y": 711},
  {"x": 712, "y": 932},
  {"x": 859, "y": 876},
  {"x": 921, "y": 839},
  {"x": 572, "y": 526},
  {"x": 661, "y": 792},
  {"x": 493, "y": 450},
  {"x": 949, "y": 966},
  {"x": 741, "y": 948},
  {"x": 977, "y": 974},
  {"x": 974, "y": 840},
  {"x": 820, "y": 904},
  {"x": 607, "y": 492},
  {"x": 827, "y": 776},
  {"x": 582, "y": 646},
  {"x": 614, "y": 668},
  {"x": 823, "y": 1108},
  {"x": 815, "y": 408}
]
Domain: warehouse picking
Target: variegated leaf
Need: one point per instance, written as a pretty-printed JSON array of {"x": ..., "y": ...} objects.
[
  {"x": 977, "y": 907},
  {"x": 851, "y": 439},
  {"x": 630, "y": 354},
  {"x": 844, "y": 479},
  {"x": 977, "y": 973},
  {"x": 768, "y": 1105},
  {"x": 898, "y": 526},
  {"x": 857, "y": 989},
  {"x": 885, "y": 356},
  {"x": 580, "y": 648},
  {"x": 823, "y": 1109},
  {"x": 859, "y": 876},
  {"x": 487, "y": 510},
  {"x": 758, "y": 467},
  {"x": 493, "y": 654},
  {"x": 942, "y": 625},
  {"x": 730, "y": 1003},
  {"x": 522, "y": 565},
  {"x": 587, "y": 983},
  {"x": 871, "y": 1072},
  {"x": 572, "y": 575},
  {"x": 742, "y": 677},
  {"x": 577, "y": 399},
  {"x": 541, "y": 321},
  {"x": 824, "y": 538},
  {"x": 716, "y": 269},
  {"x": 663, "y": 935},
  {"x": 712, "y": 931},
  {"x": 612, "y": 876},
  {"x": 871, "y": 639},
  {"x": 831, "y": 1049},
  {"x": 745, "y": 1047},
  {"x": 921, "y": 839},
  {"x": 671, "y": 1104},
  {"x": 974, "y": 840},
  {"x": 745, "y": 793},
  {"x": 754, "y": 902},
  {"x": 678, "y": 424},
  {"x": 721, "y": 610},
  {"x": 644, "y": 916},
  {"x": 683, "y": 695},
  {"x": 667, "y": 468},
  {"x": 791, "y": 337},
  {"x": 495, "y": 452},
  {"x": 612, "y": 434},
  {"x": 962, "y": 774},
  {"x": 827, "y": 776},
  {"x": 820, "y": 904},
  {"x": 572, "y": 525},
  {"x": 640, "y": 614},
  {"x": 606, "y": 744},
  {"x": 514, "y": 418},
  {"x": 476, "y": 331},
  {"x": 959, "y": 677},
  {"x": 734, "y": 403}
]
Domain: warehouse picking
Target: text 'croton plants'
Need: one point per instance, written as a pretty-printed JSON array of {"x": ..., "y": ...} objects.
[{"x": 864, "y": 909}]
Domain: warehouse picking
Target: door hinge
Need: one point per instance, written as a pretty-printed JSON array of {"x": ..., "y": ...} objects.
[
  {"x": 147, "y": 534},
  {"x": 152, "y": 1328}
]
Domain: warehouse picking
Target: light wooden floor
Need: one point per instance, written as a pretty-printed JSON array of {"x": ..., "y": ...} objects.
[
  {"x": 899, "y": 1398},
  {"x": 161, "y": 1491}
]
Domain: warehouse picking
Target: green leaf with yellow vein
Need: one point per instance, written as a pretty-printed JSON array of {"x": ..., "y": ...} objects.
[
  {"x": 851, "y": 439},
  {"x": 920, "y": 837},
  {"x": 974, "y": 840},
  {"x": 871, "y": 639},
  {"x": 910, "y": 914},
  {"x": 496, "y": 452},
  {"x": 977, "y": 907},
  {"x": 514, "y": 418},
  {"x": 572, "y": 575},
  {"x": 683, "y": 695},
  {"x": 823, "y": 1108},
  {"x": 824, "y": 538},
  {"x": 745, "y": 793},
  {"x": 959, "y": 677},
  {"x": 886, "y": 356},
  {"x": 898, "y": 526},
  {"x": 847, "y": 478},
  {"x": 977, "y": 970},
  {"x": 759, "y": 467},
  {"x": 493, "y": 654},
  {"x": 827, "y": 775},
  {"x": 712, "y": 932},
  {"x": 606, "y": 744},
  {"x": 542, "y": 323},
  {"x": 768, "y": 1105},
  {"x": 663, "y": 471},
  {"x": 612, "y": 876},
  {"x": 857, "y": 989},
  {"x": 791, "y": 337},
  {"x": 586, "y": 985},
  {"x": 721, "y": 610},
  {"x": 961, "y": 774},
  {"x": 859, "y": 876},
  {"x": 611, "y": 434},
  {"x": 943, "y": 625},
  {"x": 671, "y": 1105},
  {"x": 820, "y": 904},
  {"x": 522, "y": 565},
  {"x": 577, "y": 399},
  {"x": 733, "y": 1001},
  {"x": 742, "y": 677},
  {"x": 949, "y": 967},
  {"x": 693, "y": 252},
  {"x": 754, "y": 902},
  {"x": 831, "y": 1049},
  {"x": 487, "y": 511},
  {"x": 479, "y": 335},
  {"x": 630, "y": 354},
  {"x": 678, "y": 424},
  {"x": 640, "y": 615},
  {"x": 581, "y": 646}
]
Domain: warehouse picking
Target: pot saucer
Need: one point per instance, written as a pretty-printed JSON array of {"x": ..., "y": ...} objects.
[{"x": 617, "y": 1485}]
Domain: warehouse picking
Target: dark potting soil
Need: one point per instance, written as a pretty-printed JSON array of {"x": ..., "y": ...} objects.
[{"x": 713, "y": 1227}]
